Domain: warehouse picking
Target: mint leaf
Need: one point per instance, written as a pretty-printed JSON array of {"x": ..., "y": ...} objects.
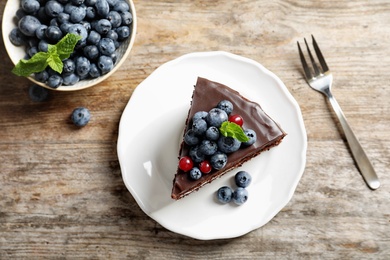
[
  {"x": 36, "y": 63},
  {"x": 66, "y": 45},
  {"x": 55, "y": 63},
  {"x": 53, "y": 57},
  {"x": 230, "y": 129}
]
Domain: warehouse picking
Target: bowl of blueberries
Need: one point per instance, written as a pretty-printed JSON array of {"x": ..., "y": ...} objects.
[{"x": 35, "y": 34}]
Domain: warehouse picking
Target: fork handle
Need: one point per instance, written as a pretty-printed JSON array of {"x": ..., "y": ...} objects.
[{"x": 358, "y": 153}]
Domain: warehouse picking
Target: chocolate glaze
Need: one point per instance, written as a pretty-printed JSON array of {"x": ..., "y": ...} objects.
[{"x": 206, "y": 95}]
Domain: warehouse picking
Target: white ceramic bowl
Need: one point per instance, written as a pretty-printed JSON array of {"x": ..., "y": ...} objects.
[{"x": 17, "y": 53}]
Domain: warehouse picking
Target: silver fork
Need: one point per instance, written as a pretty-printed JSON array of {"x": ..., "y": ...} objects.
[{"x": 320, "y": 79}]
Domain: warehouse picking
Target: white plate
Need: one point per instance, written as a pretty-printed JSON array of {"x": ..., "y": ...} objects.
[{"x": 151, "y": 128}]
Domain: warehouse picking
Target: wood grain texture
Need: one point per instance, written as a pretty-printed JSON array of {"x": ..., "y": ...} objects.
[{"x": 61, "y": 191}]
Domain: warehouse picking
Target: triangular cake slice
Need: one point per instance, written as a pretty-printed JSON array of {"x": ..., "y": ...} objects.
[{"x": 207, "y": 94}]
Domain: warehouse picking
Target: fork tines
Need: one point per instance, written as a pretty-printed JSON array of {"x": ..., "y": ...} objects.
[{"x": 316, "y": 69}]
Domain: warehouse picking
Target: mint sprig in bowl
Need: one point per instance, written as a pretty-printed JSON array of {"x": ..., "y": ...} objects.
[{"x": 53, "y": 56}]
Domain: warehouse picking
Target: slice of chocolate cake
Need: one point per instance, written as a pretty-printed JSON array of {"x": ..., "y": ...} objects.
[{"x": 206, "y": 96}]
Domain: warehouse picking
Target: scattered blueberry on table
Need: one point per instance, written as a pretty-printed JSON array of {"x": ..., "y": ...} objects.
[
  {"x": 38, "y": 93},
  {"x": 80, "y": 116}
]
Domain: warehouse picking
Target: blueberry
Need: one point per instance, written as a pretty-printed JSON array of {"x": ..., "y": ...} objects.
[
  {"x": 216, "y": 117},
  {"x": 103, "y": 26},
  {"x": 40, "y": 32},
  {"x": 112, "y": 3},
  {"x": 121, "y": 6},
  {"x": 53, "y": 33},
  {"x": 190, "y": 138},
  {"x": 252, "y": 137},
  {"x": 20, "y": 13},
  {"x": 70, "y": 79},
  {"x": 54, "y": 81},
  {"x": 90, "y": 12},
  {"x": 242, "y": 179},
  {"x": 93, "y": 37},
  {"x": 90, "y": 2},
  {"x": 113, "y": 36},
  {"x": 123, "y": 32},
  {"x": 42, "y": 16},
  {"x": 224, "y": 194},
  {"x": 87, "y": 25},
  {"x": 16, "y": 37},
  {"x": 218, "y": 160},
  {"x": 196, "y": 155},
  {"x": 28, "y": 24},
  {"x": 43, "y": 45},
  {"x": 32, "y": 51},
  {"x": 240, "y": 196},
  {"x": 102, "y": 8},
  {"x": 106, "y": 47},
  {"x": 32, "y": 42},
  {"x": 199, "y": 115},
  {"x": 83, "y": 66},
  {"x": 94, "y": 71},
  {"x": 68, "y": 8},
  {"x": 199, "y": 126},
  {"x": 38, "y": 93},
  {"x": 41, "y": 76},
  {"x": 91, "y": 52},
  {"x": 69, "y": 66},
  {"x": 226, "y": 106},
  {"x": 115, "y": 19},
  {"x": 212, "y": 133},
  {"x": 227, "y": 144},
  {"x": 54, "y": 22},
  {"x": 105, "y": 64},
  {"x": 127, "y": 18},
  {"x": 53, "y": 8},
  {"x": 195, "y": 173},
  {"x": 65, "y": 27},
  {"x": 63, "y": 18},
  {"x": 208, "y": 147},
  {"x": 77, "y": 2},
  {"x": 80, "y": 116},
  {"x": 30, "y": 6},
  {"x": 79, "y": 30},
  {"x": 77, "y": 14},
  {"x": 114, "y": 57}
]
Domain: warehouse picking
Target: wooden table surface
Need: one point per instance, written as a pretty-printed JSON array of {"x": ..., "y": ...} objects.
[{"x": 61, "y": 190}]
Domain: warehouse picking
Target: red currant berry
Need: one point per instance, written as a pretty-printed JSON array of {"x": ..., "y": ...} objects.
[
  {"x": 236, "y": 119},
  {"x": 205, "y": 167},
  {"x": 185, "y": 164}
]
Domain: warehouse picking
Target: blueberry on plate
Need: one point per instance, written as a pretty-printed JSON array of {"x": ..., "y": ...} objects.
[
  {"x": 80, "y": 116},
  {"x": 199, "y": 126},
  {"x": 208, "y": 147},
  {"x": 242, "y": 179},
  {"x": 199, "y": 115},
  {"x": 218, "y": 160},
  {"x": 252, "y": 137},
  {"x": 224, "y": 194},
  {"x": 212, "y": 133},
  {"x": 216, "y": 117},
  {"x": 240, "y": 196},
  {"x": 195, "y": 173},
  {"x": 226, "y": 106},
  {"x": 227, "y": 144}
]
